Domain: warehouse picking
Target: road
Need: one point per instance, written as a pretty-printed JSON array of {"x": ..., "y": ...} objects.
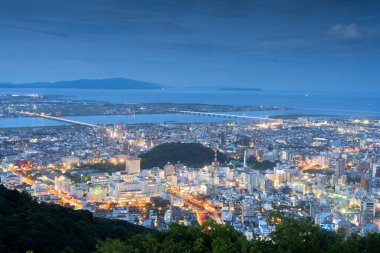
[
  {"x": 65, "y": 198},
  {"x": 201, "y": 208}
]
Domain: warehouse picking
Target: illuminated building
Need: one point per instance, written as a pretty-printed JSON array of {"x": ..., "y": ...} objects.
[
  {"x": 367, "y": 210},
  {"x": 9, "y": 178},
  {"x": 264, "y": 228},
  {"x": 62, "y": 184},
  {"x": 227, "y": 214},
  {"x": 339, "y": 168},
  {"x": 281, "y": 176},
  {"x": 132, "y": 165},
  {"x": 376, "y": 170},
  {"x": 253, "y": 181},
  {"x": 120, "y": 213},
  {"x": 323, "y": 218},
  {"x": 97, "y": 194},
  {"x": 168, "y": 216},
  {"x": 248, "y": 209},
  {"x": 70, "y": 160},
  {"x": 168, "y": 170}
]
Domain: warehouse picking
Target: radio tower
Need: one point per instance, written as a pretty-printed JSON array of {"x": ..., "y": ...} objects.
[{"x": 215, "y": 162}]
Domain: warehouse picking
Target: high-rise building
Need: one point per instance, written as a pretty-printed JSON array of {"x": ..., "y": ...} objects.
[
  {"x": 253, "y": 181},
  {"x": 132, "y": 165},
  {"x": 168, "y": 216},
  {"x": 168, "y": 170},
  {"x": 376, "y": 170},
  {"x": 227, "y": 214},
  {"x": 367, "y": 210},
  {"x": 248, "y": 209},
  {"x": 362, "y": 166},
  {"x": 339, "y": 167},
  {"x": 62, "y": 184},
  {"x": 365, "y": 180}
]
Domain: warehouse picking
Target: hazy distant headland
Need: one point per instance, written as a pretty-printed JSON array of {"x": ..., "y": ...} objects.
[
  {"x": 57, "y": 106},
  {"x": 110, "y": 84},
  {"x": 241, "y": 89}
]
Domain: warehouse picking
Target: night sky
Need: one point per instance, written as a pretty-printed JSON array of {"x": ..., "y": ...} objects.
[{"x": 299, "y": 44}]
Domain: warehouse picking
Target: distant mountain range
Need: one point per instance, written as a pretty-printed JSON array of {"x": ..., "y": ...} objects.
[{"x": 110, "y": 84}]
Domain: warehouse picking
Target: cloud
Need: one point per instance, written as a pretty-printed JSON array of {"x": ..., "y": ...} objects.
[
  {"x": 346, "y": 32},
  {"x": 37, "y": 30}
]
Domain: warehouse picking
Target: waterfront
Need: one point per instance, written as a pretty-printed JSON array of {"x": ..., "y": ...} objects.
[
  {"x": 322, "y": 104},
  {"x": 159, "y": 118}
]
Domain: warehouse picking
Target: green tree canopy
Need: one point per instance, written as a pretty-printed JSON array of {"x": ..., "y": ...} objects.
[{"x": 190, "y": 154}]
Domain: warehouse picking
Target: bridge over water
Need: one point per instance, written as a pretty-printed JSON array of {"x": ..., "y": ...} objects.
[
  {"x": 209, "y": 114},
  {"x": 30, "y": 114},
  {"x": 225, "y": 115}
]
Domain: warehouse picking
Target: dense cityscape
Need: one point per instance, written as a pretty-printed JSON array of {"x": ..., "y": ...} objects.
[
  {"x": 325, "y": 169},
  {"x": 211, "y": 126}
]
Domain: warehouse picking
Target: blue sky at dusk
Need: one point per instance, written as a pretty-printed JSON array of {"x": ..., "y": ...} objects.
[{"x": 293, "y": 44}]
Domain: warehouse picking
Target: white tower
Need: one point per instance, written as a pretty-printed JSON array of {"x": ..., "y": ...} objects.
[{"x": 245, "y": 159}]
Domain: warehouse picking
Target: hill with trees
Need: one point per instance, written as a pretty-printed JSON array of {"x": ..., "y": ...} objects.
[
  {"x": 27, "y": 225},
  {"x": 257, "y": 165},
  {"x": 291, "y": 236},
  {"x": 190, "y": 154}
]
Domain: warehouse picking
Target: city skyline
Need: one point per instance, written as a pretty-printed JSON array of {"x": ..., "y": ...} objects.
[
  {"x": 299, "y": 45},
  {"x": 189, "y": 126}
]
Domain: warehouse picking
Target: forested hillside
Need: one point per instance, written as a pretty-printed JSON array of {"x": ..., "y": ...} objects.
[
  {"x": 28, "y": 225},
  {"x": 190, "y": 154}
]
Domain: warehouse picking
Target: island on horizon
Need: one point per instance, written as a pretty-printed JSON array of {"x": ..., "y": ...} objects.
[{"x": 107, "y": 84}]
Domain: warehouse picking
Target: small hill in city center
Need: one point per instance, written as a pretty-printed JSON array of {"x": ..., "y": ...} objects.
[{"x": 190, "y": 154}]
